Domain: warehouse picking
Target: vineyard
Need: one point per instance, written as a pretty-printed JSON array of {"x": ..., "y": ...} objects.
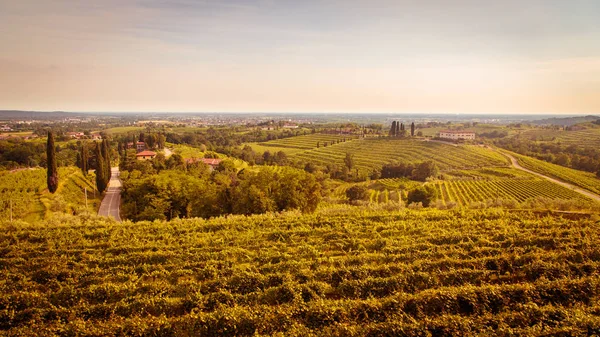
[
  {"x": 586, "y": 180},
  {"x": 307, "y": 142},
  {"x": 469, "y": 187},
  {"x": 584, "y": 138},
  {"x": 335, "y": 273},
  {"x": 465, "y": 192},
  {"x": 370, "y": 154},
  {"x": 26, "y": 193}
]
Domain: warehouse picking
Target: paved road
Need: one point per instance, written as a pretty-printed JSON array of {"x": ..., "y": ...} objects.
[
  {"x": 112, "y": 199},
  {"x": 515, "y": 164}
]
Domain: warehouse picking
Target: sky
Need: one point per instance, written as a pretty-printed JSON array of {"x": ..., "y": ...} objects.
[{"x": 433, "y": 56}]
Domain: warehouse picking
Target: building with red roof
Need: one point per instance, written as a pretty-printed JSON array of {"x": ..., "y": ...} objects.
[{"x": 146, "y": 155}]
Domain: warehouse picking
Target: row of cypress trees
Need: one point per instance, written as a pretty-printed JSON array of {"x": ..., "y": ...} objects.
[
  {"x": 397, "y": 129},
  {"x": 102, "y": 153}
]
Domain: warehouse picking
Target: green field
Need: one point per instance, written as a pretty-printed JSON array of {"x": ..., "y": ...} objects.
[
  {"x": 370, "y": 154},
  {"x": 337, "y": 273},
  {"x": 262, "y": 148},
  {"x": 26, "y": 192},
  {"x": 186, "y": 151}
]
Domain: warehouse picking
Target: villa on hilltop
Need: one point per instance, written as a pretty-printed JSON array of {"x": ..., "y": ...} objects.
[{"x": 457, "y": 134}]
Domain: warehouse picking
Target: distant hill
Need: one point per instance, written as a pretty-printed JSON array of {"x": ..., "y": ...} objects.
[
  {"x": 36, "y": 115},
  {"x": 566, "y": 121}
]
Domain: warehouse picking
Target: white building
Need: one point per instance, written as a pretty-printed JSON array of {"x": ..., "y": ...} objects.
[{"x": 457, "y": 134}]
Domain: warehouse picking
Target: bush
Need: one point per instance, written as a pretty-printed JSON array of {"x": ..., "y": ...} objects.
[
  {"x": 357, "y": 192},
  {"x": 425, "y": 195}
]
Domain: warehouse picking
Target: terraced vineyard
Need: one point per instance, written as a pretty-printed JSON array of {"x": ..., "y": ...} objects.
[
  {"x": 307, "y": 142},
  {"x": 370, "y": 154},
  {"x": 350, "y": 273},
  {"x": 586, "y": 180}
]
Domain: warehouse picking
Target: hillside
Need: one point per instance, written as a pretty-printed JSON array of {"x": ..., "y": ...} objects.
[
  {"x": 335, "y": 273},
  {"x": 566, "y": 121},
  {"x": 371, "y": 154},
  {"x": 26, "y": 192}
]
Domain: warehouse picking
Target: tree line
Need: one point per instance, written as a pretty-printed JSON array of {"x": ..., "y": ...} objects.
[{"x": 193, "y": 190}]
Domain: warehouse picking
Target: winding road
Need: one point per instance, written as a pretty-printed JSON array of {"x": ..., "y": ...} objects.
[
  {"x": 515, "y": 164},
  {"x": 111, "y": 203}
]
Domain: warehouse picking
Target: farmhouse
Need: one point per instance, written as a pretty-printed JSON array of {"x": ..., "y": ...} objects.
[
  {"x": 145, "y": 155},
  {"x": 75, "y": 135},
  {"x": 457, "y": 134},
  {"x": 211, "y": 162}
]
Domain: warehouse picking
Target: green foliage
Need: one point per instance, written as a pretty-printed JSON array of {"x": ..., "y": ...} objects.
[
  {"x": 198, "y": 193},
  {"x": 52, "y": 169},
  {"x": 423, "y": 194},
  {"x": 357, "y": 192},
  {"x": 350, "y": 273},
  {"x": 415, "y": 171}
]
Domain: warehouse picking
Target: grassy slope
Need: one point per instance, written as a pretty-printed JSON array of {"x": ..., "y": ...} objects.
[
  {"x": 32, "y": 201},
  {"x": 335, "y": 273}
]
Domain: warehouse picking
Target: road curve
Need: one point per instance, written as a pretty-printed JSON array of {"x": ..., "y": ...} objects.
[
  {"x": 110, "y": 206},
  {"x": 515, "y": 164}
]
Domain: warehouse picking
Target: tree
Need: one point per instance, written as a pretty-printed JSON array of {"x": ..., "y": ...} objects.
[
  {"x": 106, "y": 156},
  {"x": 425, "y": 170},
  {"x": 100, "y": 170},
  {"x": 151, "y": 141},
  {"x": 357, "y": 192},
  {"x": 318, "y": 144},
  {"x": 280, "y": 158},
  {"x": 423, "y": 194},
  {"x": 52, "y": 172},
  {"x": 393, "y": 129},
  {"x": 84, "y": 158},
  {"x": 598, "y": 173},
  {"x": 349, "y": 161},
  {"x": 398, "y": 128},
  {"x": 78, "y": 160},
  {"x": 412, "y": 129},
  {"x": 160, "y": 140}
]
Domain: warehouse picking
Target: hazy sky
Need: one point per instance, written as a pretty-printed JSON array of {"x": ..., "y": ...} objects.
[{"x": 301, "y": 55}]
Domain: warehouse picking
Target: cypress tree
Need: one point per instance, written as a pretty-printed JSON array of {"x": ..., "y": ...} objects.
[
  {"x": 398, "y": 129},
  {"x": 51, "y": 164},
  {"x": 412, "y": 129},
  {"x": 100, "y": 171},
  {"x": 84, "y": 158},
  {"x": 393, "y": 129},
  {"x": 106, "y": 157},
  {"x": 78, "y": 160}
]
